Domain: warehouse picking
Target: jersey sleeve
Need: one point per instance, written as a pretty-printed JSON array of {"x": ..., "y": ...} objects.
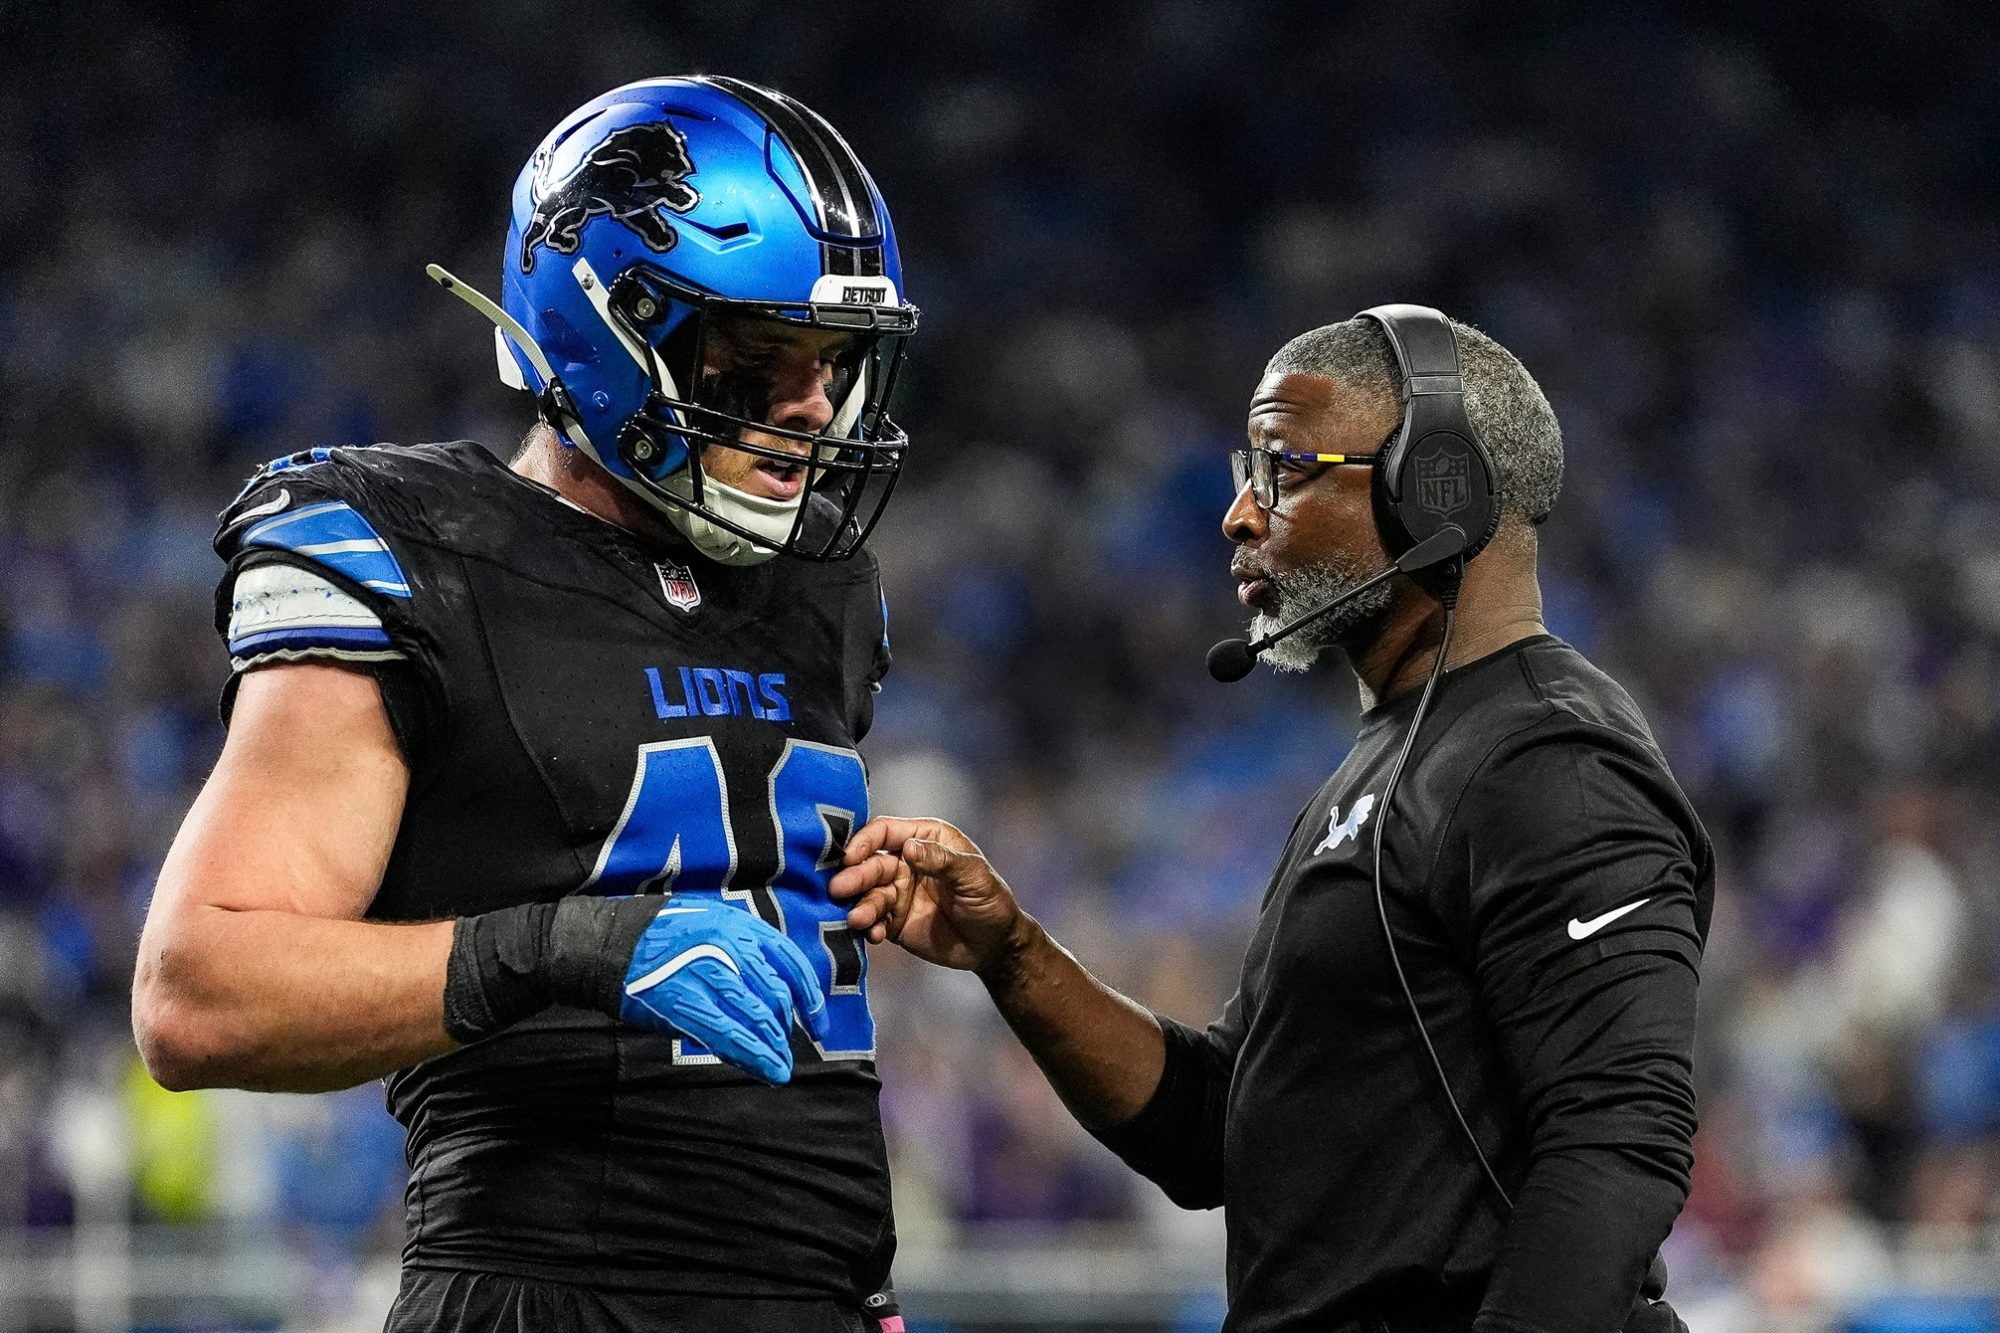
[
  {"x": 1584, "y": 924},
  {"x": 310, "y": 577},
  {"x": 1176, "y": 1140}
]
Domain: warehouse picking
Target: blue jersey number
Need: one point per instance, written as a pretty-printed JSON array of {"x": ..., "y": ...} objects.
[{"x": 676, "y": 836}]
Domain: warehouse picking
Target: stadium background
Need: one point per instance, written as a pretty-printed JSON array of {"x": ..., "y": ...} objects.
[{"x": 1751, "y": 255}]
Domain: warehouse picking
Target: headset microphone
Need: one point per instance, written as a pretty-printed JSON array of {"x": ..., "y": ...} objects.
[{"x": 1232, "y": 659}]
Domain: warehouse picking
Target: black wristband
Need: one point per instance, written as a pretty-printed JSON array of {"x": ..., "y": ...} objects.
[
  {"x": 590, "y": 948},
  {"x": 518, "y": 961}
]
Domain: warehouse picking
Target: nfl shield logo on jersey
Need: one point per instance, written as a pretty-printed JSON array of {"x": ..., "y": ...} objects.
[{"x": 677, "y": 583}]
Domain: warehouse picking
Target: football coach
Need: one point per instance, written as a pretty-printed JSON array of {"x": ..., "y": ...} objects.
[{"x": 1453, "y": 1090}]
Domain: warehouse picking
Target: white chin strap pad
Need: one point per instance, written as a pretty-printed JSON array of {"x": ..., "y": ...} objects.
[{"x": 768, "y": 518}]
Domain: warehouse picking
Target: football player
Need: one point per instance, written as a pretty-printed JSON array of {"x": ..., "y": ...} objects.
[{"x": 536, "y": 771}]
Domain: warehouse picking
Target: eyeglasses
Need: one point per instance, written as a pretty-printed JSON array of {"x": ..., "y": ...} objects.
[{"x": 1259, "y": 469}]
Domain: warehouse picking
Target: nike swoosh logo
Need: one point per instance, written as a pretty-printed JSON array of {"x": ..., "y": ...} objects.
[
  {"x": 270, "y": 506},
  {"x": 1583, "y": 930},
  {"x": 679, "y": 961}
]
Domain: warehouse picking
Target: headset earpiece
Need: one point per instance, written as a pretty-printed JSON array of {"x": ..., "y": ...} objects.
[
  {"x": 1443, "y": 479},
  {"x": 1438, "y": 473}
]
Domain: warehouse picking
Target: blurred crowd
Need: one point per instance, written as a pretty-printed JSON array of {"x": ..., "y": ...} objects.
[{"x": 1753, "y": 259}]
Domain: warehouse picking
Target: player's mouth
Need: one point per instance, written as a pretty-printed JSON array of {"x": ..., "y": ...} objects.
[{"x": 778, "y": 479}]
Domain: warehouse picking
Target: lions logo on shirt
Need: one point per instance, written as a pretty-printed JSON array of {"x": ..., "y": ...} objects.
[{"x": 1340, "y": 830}]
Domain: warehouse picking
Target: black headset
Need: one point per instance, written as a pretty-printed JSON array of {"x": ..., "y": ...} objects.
[
  {"x": 1437, "y": 476},
  {"x": 1437, "y": 472}
]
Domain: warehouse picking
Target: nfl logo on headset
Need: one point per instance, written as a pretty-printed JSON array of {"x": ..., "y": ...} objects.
[
  {"x": 1444, "y": 481},
  {"x": 677, "y": 582}
]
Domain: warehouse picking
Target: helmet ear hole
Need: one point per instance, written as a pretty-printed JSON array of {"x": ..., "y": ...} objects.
[{"x": 676, "y": 358}]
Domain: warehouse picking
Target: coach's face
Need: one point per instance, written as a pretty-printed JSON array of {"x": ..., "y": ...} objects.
[{"x": 1318, "y": 539}]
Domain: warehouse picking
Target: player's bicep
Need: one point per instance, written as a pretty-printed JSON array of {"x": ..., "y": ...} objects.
[{"x": 302, "y": 809}]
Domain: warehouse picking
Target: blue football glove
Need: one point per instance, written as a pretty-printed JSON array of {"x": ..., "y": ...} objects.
[
  {"x": 696, "y": 967},
  {"x": 725, "y": 977}
]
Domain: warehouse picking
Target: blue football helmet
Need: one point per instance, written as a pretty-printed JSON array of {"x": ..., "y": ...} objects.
[{"x": 646, "y": 214}]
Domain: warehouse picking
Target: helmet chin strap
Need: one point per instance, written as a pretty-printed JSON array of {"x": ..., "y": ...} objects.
[{"x": 769, "y": 518}]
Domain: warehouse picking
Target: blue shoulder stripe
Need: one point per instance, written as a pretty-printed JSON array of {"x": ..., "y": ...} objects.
[
  {"x": 334, "y": 534},
  {"x": 355, "y": 638}
]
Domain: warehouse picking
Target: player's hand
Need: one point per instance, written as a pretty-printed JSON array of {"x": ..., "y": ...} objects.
[
  {"x": 709, "y": 970},
  {"x": 925, "y": 885}
]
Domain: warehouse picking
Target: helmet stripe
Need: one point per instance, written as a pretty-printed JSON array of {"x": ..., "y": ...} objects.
[{"x": 834, "y": 175}]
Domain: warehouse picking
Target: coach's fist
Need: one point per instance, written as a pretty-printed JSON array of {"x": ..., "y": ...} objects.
[{"x": 925, "y": 885}]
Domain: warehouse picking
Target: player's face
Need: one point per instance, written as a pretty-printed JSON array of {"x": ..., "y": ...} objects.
[
  {"x": 1319, "y": 538},
  {"x": 782, "y": 375}
]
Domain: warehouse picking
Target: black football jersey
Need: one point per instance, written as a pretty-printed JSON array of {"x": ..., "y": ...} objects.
[{"x": 583, "y": 712}]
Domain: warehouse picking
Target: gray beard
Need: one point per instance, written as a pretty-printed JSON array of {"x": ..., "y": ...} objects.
[{"x": 1303, "y": 590}]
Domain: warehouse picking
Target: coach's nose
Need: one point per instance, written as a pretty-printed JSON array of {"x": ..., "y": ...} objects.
[{"x": 1243, "y": 521}]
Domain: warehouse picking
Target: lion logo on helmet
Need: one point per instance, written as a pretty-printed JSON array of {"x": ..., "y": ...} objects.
[{"x": 633, "y": 174}]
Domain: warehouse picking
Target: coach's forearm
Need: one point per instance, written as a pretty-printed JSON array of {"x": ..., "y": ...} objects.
[
  {"x": 1585, "y": 1227},
  {"x": 1612, "y": 1154},
  {"x": 1102, "y": 1053},
  {"x": 278, "y": 1002}
]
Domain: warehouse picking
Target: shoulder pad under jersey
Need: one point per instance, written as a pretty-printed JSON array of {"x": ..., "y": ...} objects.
[
  {"x": 332, "y": 533},
  {"x": 313, "y": 507},
  {"x": 309, "y": 575}
]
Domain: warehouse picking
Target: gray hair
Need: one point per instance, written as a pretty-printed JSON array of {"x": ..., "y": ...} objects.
[{"x": 1507, "y": 407}]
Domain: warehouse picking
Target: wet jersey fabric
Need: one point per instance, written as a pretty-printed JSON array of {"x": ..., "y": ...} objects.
[
  {"x": 1550, "y": 888},
  {"x": 584, "y": 712}
]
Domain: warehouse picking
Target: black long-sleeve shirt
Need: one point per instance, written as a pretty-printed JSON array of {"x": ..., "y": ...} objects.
[{"x": 1549, "y": 888}]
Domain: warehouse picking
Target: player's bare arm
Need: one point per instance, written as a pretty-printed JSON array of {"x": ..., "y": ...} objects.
[
  {"x": 928, "y": 887},
  {"x": 255, "y": 969}
]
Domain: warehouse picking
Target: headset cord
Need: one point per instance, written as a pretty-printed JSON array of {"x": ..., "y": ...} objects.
[{"x": 1449, "y": 596}]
